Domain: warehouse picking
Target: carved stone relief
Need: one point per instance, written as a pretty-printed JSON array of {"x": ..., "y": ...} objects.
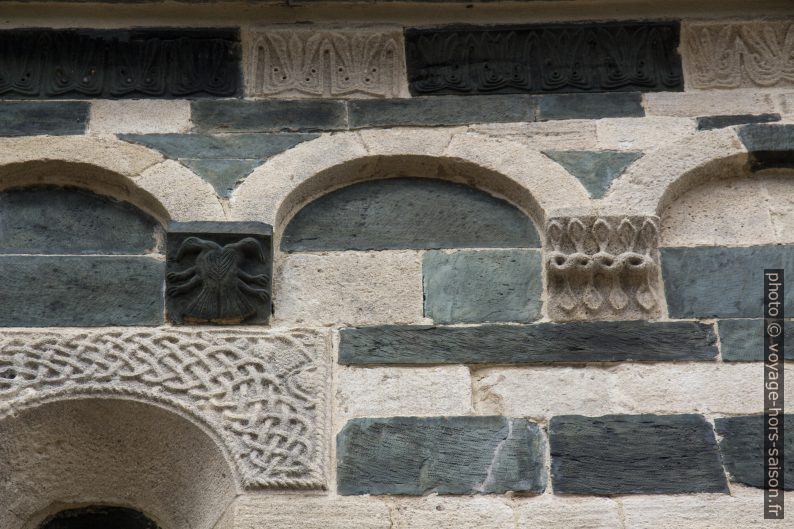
[
  {"x": 263, "y": 395},
  {"x": 603, "y": 268},
  {"x": 552, "y": 58},
  {"x": 219, "y": 272},
  {"x": 292, "y": 62},
  {"x": 746, "y": 54}
]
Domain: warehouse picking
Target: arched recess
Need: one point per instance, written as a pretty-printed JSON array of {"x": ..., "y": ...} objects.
[
  {"x": 163, "y": 188},
  {"x": 59, "y": 454},
  {"x": 276, "y": 190}
]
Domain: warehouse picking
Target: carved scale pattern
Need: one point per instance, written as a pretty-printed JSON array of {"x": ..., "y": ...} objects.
[
  {"x": 603, "y": 267},
  {"x": 263, "y": 394},
  {"x": 563, "y": 58},
  {"x": 119, "y": 63},
  {"x": 325, "y": 63},
  {"x": 740, "y": 55}
]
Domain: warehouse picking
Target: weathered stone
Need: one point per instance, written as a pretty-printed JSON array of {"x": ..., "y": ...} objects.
[
  {"x": 98, "y": 516},
  {"x": 69, "y": 63},
  {"x": 222, "y": 146},
  {"x": 704, "y": 103},
  {"x": 565, "y": 134},
  {"x": 289, "y": 61},
  {"x": 387, "y": 391},
  {"x": 212, "y": 116},
  {"x": 448, "y": 455},
  {"x": 482, "y": 285},
  {"x": 224, "y": 175},
  {"x": 769, "y": 145},
  {"x": 544, "y": 58},
  {"x": 567, "y": 512},
  {"x": 743, "y": 452},
  {"x": 743, "y": 340},
  {"x": 520, "y": 344},
  {"x": 452, "y": 512},
  {"x": 739, "y": 54},
  {"x": 432, "y": 112},
  {"x": 711, "y": 282},
  {"x": 261, "y": 397},
  {"x": 353, "y": 288},
  {"x": 642, "y": 134},
  {"x": 589, "y": 106},
  {"x": 718, "y": 122},
  {"x": 303, "y": 511},
  {"x": 219, "y": 272},
  {"x": 53, "y": 220},
  {"x": 399, "y": 213},
  {"x": 88, "y": 291},
  {"x": 143, "y": 116},
  {"x": 54, "y": 118},
  {"x": 602, "y": 267},
  {"x": 634, "y": 454},
  {"x": 595, "y": 169}
]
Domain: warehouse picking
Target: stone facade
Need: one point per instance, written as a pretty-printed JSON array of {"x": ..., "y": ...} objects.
[{"x": 343, "y": 264}]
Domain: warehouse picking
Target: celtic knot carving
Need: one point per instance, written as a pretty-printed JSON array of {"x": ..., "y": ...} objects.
[
  {"x": 602, "y": 267},
  {"x": 263, "y": 394}
]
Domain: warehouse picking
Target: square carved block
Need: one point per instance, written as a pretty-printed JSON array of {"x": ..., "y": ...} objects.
[{"x": 219, "y": 272}]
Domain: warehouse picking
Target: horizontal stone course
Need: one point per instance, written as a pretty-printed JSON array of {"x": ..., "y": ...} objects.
[
  {"x": 718, "y": 122},
  {"x": 213, "y": 116},
  {"x": 742, "y": 447},
  {"x": 447, "y": 455},
  {"x": 90, "y": 291},
  {"x": 589, "y": 106},
  {"x": 743, "y": 340},
  {"x": 634, "y": 454},
  {"x": 55, "y": 118},
  {"x": 527, "y": 344},
  {"x": 769, "y": 145},
  {"x": 709, "y": 282}
]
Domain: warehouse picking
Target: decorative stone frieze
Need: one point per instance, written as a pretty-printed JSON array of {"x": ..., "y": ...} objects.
[
  {"x": 739, "y": 54},
  {"x": 219, "y": 272},
  {"x": 603, "y": 268},
  {"x": 45, "y": 63},
  {"x": 325, "y": 62},
  {"x": 553, "y": 58},
  {"x": 261, "y": 395}
]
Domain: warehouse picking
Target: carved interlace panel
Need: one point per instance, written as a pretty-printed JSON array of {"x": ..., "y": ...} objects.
[
  {"x": 740, "y": 54},
  {"x": 603, "y": 267},
  {"x": 264, "y": 395},
  {"x": 291, "y": 62}
]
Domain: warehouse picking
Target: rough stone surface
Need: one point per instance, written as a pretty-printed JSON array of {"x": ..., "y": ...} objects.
[
  {"x": 51, "y": 220},
  {"x": 511, "y": 59},
  {"x": 602, "y": 268},
  {"x": 97, "y": 516},
  {"x": 481, "y": 286},
  {"x": 558, "y": 135},
  {"x": 285, "y": 61},
  {"x": 738, "y": 54},
  {"x": 595, "y": 169},
  {"x": 634, "y": 454},
  {"x": 42, "y": 291},
  {"x": 543, "y": 342},
  {"x": 384, "y": 392},
  {"x": 219, "y": 272},
  {"x": 450, "y": 110},
  {"x": 139, "y": 116},
  {"x": 717, "y": 122},
  {"x": 213, "y": 116},
  {"x": 47, "y": 117},
  {"x": 349, "y": 288},
  {"x": 769, "y": 145},
  {"x": 451, "y": 512},
  {"x": 448, "y": 455},
  {"x": 588, "y": 106},
  {"x": 714, "y": 282},
  {"x": 183, "y": 194},
  {"x": 567, "y": 512},
  {"x": 742, "y": 447},
  {"x": 219, "y": 146},
  {"x": 694, "y": 104},
  {"x": 224, "y": 175},
  {"x": 261, "y": 396},
  {"x": 402, "y": 213},
  {"x": 307, "y": 512},
  {"x": 743, "y": 340},
  {"x": 642, "y": 134}
]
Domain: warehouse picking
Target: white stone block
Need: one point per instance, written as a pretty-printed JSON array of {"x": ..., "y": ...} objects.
[
  {"x": 567, "y": 512},
  {"x": 449, "y": 512},
  {"x": 642, "y": 134},
  {"x": 144, "y": 116},
  {"x": 307, "y": 512},
  {"x": 708, "y": 103}
]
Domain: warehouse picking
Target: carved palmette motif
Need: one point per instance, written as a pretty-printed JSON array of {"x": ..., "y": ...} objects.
[
  {"x": 263, "y": 395},
  {"x": 560, "y": 58},
  {"x": 739, "y": 54},
  {"x": 325, "y": 63},
  {"x": 602, "y": 267},
  {"x": 119, "y": 63}
]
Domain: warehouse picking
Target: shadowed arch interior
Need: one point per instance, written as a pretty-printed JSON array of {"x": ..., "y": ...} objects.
[
  {"x": 408, "y": 213},
  {"x": 99, "y": 517}
]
